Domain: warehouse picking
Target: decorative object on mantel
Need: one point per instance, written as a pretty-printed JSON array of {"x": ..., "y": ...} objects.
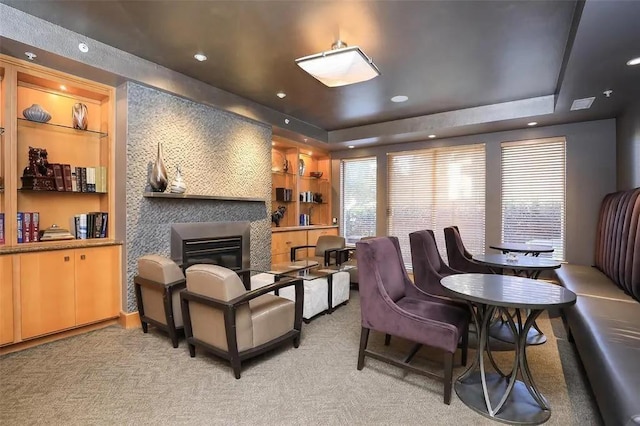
[
  {"x": 158, "y": 179},
  {"x": 277, "y": 215},
  {"x": 54, "y": 232},
  {"x": 301, "y": 166},
  {"x": 38, "y": 175},
  {"x": 36, "y": 113},
  {"x": 178, "y": 186},
  {"x": 79, "y": 115}
]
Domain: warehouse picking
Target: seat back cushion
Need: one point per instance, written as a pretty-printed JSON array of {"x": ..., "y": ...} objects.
[
  {"x": 163, "y": 270},
  {"x": 618, "y": 240},
  {"x": 207, "y": 322},
  {"x": 326, "y": 242}
]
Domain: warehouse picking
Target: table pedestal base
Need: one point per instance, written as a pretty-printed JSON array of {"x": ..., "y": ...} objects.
[
  {"x": 500, "y": 330},
  {"x": 520, "y": 407}
]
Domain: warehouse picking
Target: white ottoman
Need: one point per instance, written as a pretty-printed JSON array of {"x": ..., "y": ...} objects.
[
  {"x": 260, "y": 280},
  {"x": 316, "y": 294},
  {"x": 340, "y": 290}
]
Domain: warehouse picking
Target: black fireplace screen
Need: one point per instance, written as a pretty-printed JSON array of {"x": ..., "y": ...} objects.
[{"x": 225, "y": 251}]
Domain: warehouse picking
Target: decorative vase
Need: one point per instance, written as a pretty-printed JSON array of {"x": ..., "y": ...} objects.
[
  {"x": 36, "y": 113},
  {"x": 79, "y": 115},
  {"x": 158, "y": 179},
  {"x": 178, "y": 186},
  {"x": 301, "y": 166}
]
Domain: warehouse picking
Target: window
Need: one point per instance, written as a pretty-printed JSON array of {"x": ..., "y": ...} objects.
[
  {"x": 358, "y": 198},
  {"x": 436, "y": 188},
  {"x": 533, "y": 193}
]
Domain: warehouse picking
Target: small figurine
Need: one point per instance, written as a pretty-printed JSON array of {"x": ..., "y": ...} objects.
[
  {"x": 277, "y": 215},
  {"x": 38, "y": 175}
]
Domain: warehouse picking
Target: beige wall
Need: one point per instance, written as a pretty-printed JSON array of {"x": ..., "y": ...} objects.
[
  {"x": 591, "y": 173},
  {"x": 628, "y": 134}
]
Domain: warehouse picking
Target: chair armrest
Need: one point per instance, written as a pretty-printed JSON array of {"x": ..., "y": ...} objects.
[
  {"x": 287, "y": 282},
  {"x": 327, "y": 255},
  {"x": 158, "y": 285},
  {"x": 295, "y": 249},
  {"x": 344, "y": 254}
]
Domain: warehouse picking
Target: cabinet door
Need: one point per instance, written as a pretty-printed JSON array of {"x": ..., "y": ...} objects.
[
  {"x": 281, "y": 242},
  {"x": 47, "y": 298},
  {"x": 97, "y": 292},
  {"x": 6, "y": 300}
]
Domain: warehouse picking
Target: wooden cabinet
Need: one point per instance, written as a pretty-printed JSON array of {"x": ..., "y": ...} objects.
[
  {"x": 6, "y": 300},
  {"x": 62, "y": 289},
  {"x": 281, "y": 243},
  {"x": 47, "y": 292},
  {"x": 96, "y": 293}
]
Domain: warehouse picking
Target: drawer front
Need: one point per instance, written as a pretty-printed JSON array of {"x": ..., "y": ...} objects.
[{"x": 281, "y": 242}]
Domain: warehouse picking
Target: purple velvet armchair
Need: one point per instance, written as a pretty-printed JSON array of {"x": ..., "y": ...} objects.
[
  {"x": 391, "y": 304},
  {"x": 428, "y": 266},
  {"x": 459, "y": 258}
]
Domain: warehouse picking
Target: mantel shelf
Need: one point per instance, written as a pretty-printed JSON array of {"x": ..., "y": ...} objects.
[{"x": 199, "y": 197}]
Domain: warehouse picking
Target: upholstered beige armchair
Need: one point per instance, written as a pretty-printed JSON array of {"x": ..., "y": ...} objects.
[
  {"x": 325, "y": 249},
  {"x": 222, "y": 317},
  {"x": 157, "y": 285}
]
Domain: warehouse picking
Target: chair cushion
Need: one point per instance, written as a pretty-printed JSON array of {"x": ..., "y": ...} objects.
[
  {"x": 326, "y": 242},
  {"x": 159, "y": 268},
  {"x": 153, "y": 302},
  {"x": 589, "y": 281},
  {"x": 272, "y": 316}
]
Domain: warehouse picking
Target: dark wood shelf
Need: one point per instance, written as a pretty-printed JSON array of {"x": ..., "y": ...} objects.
[
  {"x": 36, "y": 191},
  {"x": 168, "y": 195}
]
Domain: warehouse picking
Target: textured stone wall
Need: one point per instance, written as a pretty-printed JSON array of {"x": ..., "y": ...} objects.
[{"x": 219, "y": 153}]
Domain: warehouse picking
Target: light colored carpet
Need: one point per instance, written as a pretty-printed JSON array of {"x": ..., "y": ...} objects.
[{"x": 117, "y": 376}]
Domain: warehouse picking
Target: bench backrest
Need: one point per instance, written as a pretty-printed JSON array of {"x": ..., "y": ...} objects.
[{"x": 618, "y": 240}]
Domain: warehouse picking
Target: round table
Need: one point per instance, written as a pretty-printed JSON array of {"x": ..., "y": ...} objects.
[
  {"x": 532, "y": 249},
  {"x": 500, "y": 395},
  {"x": 529, "y": 266}
]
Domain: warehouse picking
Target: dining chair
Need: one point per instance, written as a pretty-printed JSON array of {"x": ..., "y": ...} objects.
[
  {"x": 459, "y": 257},
  {"x": 391, "y": 304}
]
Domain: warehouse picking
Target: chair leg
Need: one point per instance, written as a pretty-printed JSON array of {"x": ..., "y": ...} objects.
[
  {"x": 235, "y": 364},
  {"x": 145, "y": 327},
  {"x": 296, "y": 341},
  {"x": 448, "y": 376},
  {"x": 192, "y": 350},
  {"x": 465, "y": 346},
  {"x": 364, "y": 338},
  {"x": 387, "y": 339}
]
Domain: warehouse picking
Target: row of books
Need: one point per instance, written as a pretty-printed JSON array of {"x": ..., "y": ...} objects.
[
  {"x": 80, "y": 179},
  {"x": 28, "y": 227},
  {"x": 90, "y": 225}
]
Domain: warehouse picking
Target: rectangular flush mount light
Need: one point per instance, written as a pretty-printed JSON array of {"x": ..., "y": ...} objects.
[{"x": 339, "y": 67}]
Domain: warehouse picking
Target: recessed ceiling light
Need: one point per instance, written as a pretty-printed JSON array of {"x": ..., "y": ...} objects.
[
  {"x": 584, "y": 103},
  {"x": 200, "y": 57},
  {"x": 281, "y": 95},
  {"x": 532, "y": 123},
  {"x": 30, "y": 55},
  {"x": 351, "y": 147},
  {"x": 432, "y": 136},
  {"x": 273, "y": 144},
  {"x": 83, "y": 47},
  {"x": 310, "y": 153},
  {"x": 400, "y": 98},
  {"x": 63, "y": 87},
  {"x": 634, "y": 61}
]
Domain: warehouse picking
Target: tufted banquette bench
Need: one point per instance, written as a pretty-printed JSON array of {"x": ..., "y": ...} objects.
[{"x": 605, "y": 321}]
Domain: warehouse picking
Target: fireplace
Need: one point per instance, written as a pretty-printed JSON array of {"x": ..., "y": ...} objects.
[{"x": 220, "y": 243}]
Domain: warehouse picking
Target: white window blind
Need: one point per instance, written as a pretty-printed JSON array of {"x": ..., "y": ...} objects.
[
  {"x": 358, "y": 198},
  {"x": 533, "y": 193},
  {"x": 436, "y": 188}
]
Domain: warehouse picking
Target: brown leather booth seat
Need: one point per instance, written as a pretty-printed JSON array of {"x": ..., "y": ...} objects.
[{"x": 605, "y": 321}]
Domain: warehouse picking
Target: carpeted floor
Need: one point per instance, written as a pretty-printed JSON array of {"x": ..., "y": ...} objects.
[{"x": 117, "y": 376}]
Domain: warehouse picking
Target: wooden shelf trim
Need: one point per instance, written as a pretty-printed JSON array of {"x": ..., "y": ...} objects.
[{"x": 168, "y": 195}]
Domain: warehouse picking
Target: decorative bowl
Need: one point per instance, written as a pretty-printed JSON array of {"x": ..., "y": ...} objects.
[
  {"x": 315, "y": 174},
  {"x": 36, "y": 113}
]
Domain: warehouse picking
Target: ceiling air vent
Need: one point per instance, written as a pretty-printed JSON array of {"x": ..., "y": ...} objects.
[{"x": 584, "y": 103}]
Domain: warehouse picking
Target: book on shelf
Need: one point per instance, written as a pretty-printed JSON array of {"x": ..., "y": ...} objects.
[
  {"x": 20, "y": 220},
  {"x": 89, "y": 225},
  {"x": 74, "y": 180},
  {"x": 28, "y": 227},
  {"x": 1, "y": 228},
  {"x": 66, "y": 174},
  {"x": 59, "y": 178}
]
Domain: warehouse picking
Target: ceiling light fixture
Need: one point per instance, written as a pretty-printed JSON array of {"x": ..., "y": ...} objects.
[
  {"x": 432, "y": 136},
  {"x": 532, "y": 123},
  {"x": 584, "y": 103},
  {"x": 634, "y": 61},
  {"x": 281, "y": 95},
  {"x": 63, "y": 87},
  {"x": 400, "y": 98},
  {"x": 339, "y": 66},
  {"x": 200, "y": 57},
  {"x": 30, "y": 55},
  {"x": 83, "y": 47}
]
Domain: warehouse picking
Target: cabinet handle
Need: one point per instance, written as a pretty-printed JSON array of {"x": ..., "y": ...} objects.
[
  {"x": 82, "y": 257},
  {"x": 66, "y": 258},
  {"x": 287, "y": 242}
]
